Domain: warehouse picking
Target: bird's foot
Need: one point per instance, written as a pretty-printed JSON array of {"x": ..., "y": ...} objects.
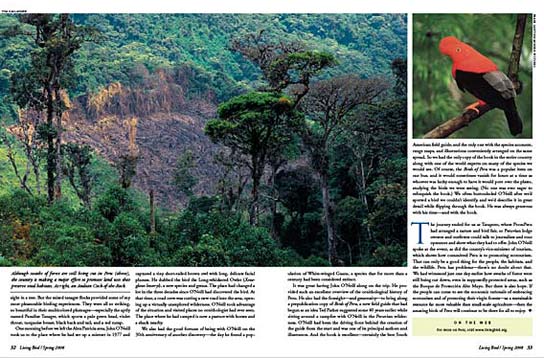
[{"x": 474, "y": 106}]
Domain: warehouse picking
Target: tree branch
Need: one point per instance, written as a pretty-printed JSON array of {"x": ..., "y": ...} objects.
[
  {"x": 22, "y": 179},
  {"x": 517, "y": 46},
  {"x": 449, "y": 127}
]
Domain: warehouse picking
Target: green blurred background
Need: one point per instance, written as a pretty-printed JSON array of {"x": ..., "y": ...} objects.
[{"x": 435, "y": 93}]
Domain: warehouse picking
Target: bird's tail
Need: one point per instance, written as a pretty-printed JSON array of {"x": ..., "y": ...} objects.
[{"x": 514, "y": 121}]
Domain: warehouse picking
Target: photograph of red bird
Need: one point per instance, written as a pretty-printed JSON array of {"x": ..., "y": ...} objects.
[{"x": 481, "y": 77}]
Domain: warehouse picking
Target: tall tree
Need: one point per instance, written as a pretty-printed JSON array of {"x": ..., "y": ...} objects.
[
  {"x": 77, "y": 165},
  {"x": 42, "y": 86},
  {"x": 184, "y": 173},
  {"x": 399, "y": 67},
  {"x": 328, "y": 106},
  {"x": 128, "y": 160},
  {"x": 255, "y": 125},
  {"x": 259, "y": 124}
]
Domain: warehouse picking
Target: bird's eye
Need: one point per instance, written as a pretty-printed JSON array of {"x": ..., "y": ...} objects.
[{"x": 457, "y": 49}]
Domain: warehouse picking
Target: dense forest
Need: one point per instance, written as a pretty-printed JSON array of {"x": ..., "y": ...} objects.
[
  {"x": 203, "y": 140},
  {"x": 436, "y": 97}
]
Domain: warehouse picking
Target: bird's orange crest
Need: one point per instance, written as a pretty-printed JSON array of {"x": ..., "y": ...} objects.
[{"x": 465, "y": 57}]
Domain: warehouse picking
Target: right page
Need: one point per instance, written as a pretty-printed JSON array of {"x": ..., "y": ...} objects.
[{"x": 473, "y": 197}]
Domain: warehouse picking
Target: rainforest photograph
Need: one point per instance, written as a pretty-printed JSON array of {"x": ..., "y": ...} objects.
[
  {"x": 492, "y": 55},
  {"x": 202, "y": 140}
]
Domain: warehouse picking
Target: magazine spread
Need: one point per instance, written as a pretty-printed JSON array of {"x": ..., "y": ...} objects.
[{"x": 270, "y": 179}]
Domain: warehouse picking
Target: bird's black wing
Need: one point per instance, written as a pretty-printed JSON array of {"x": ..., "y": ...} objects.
[
  {"x": 494, "y": 87},
  {"x": 497, "y": 90}
]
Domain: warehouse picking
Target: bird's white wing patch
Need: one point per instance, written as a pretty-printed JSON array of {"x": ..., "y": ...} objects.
[{"x": 500, "y": 82}]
